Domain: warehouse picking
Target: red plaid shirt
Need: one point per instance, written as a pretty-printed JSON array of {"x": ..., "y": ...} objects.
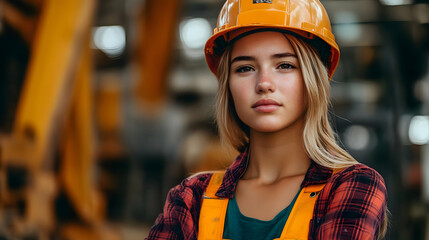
[{"x": 351, "y": 206}]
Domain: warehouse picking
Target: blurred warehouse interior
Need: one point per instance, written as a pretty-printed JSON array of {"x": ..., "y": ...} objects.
[{"x": 106, "y": 105}]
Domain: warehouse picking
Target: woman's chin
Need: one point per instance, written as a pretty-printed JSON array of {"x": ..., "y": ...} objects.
[{"x": 267, "y": 129}]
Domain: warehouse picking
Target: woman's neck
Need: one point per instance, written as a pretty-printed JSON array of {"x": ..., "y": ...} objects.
[{"x": 278, "y": 155}]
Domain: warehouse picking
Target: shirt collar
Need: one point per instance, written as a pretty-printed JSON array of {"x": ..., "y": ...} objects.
[{"x": 316, "y": 174}]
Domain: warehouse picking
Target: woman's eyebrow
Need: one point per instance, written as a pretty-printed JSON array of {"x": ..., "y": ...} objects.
[
  {"x": 278, "y": 55},
  {"x": 282, "y": 55},
  {"x": 243, "y": 58}
]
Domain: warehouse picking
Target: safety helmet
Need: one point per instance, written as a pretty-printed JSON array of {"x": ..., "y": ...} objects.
[{"x": 306, "y": 18}]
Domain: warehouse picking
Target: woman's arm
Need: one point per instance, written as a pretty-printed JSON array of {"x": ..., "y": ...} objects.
[
  {"x": 168, "y": 225},
  {"x": 179, "y": 219},
  {"x": 356, "y": 207}
]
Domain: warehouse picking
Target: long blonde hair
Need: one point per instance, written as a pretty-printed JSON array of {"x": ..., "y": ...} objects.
[{"x": 319, "y": 139}]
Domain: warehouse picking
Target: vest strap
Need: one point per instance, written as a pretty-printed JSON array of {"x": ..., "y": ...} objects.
[
  {"x": 297, "y": 226},
  {"x": 213, "y": 211},
  {"x": 214, "y": 184}
]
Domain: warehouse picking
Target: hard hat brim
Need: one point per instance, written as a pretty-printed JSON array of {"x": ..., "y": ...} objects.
[{"x": 217, "y": 43}]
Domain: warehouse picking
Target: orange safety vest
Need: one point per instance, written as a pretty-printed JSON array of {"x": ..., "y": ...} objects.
[{"x": 213, "y": 211}]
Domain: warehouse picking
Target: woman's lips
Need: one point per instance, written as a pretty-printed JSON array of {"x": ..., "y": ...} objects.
[{"x": 266, "y": 105}]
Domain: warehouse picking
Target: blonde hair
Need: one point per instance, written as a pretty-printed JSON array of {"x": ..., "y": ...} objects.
[{"x": 319, "y": 139}]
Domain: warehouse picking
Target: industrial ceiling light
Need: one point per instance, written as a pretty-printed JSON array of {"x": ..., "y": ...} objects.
[
  {"x": 110, "y": 39},
  {"x": 349, "y": 32},
  {"x": 357, "y": 137},
  {"x": 418, "y": 131},
  {"x": 194, "y": 34},
  {"x": 395, "y": 2}
]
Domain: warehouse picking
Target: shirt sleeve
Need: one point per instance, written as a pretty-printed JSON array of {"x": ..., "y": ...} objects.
[
  {"x": 179, "y": 219},
  {"x": 167, "y": 225},
  {"x": 356, "y": 207}
]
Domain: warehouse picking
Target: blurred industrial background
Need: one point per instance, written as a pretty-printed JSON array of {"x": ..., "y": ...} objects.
[{"x": 105, "y": 105}]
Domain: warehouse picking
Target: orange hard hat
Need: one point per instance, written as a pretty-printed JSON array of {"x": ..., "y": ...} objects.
[{"x": 305, "y": 18}]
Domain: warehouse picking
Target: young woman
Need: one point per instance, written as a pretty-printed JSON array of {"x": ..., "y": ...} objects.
[{"x": 274, "y": 60}]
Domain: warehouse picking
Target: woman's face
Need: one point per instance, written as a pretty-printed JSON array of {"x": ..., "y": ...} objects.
[{"x": 266, "y": 82}]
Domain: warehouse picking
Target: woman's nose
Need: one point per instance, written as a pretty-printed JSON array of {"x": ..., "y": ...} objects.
[{"x": 265, "y": 83}]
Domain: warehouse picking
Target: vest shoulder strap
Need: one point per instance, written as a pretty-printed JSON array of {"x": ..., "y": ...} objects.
[
  {"x": 297, "y": 226},
  {"x": 336, "y": 170},
  {"x": 213, "y": 210},
  {"x": 214, "y": 184}
]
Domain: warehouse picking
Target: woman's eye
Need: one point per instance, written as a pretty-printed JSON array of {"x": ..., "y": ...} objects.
[
  {"x": 286, "y": 66},
  {"x": 244, "y": 69}
]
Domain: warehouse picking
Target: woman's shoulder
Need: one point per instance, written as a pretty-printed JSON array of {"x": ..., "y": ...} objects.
[
  {"x": 190, "y": 188},
  {"x": 359, "y": 172},
  {"x": 358, "y": 179},
  {"x": 180, "y": 215}
]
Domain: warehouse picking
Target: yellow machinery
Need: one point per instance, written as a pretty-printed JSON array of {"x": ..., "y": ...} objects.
[
  {"x": 53, "y": 121},
  {"x": 156, "y": 43}
]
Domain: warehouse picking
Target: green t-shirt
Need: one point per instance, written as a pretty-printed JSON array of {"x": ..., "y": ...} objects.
[{"x": 238, "y": 226}]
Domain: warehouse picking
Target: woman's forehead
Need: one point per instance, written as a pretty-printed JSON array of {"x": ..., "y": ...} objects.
[{"x": 268, "y": 42}]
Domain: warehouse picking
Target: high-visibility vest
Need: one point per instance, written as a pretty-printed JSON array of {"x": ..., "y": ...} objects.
[{"x": 213, "y": 211}]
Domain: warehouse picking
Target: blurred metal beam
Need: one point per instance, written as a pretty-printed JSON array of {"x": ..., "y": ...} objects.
[
  {"x": 78, "y": 145},
  {"x": 44, "y": 100},
  {"x": 159, "y": 21},
  {"x": 46, "y": 93}
]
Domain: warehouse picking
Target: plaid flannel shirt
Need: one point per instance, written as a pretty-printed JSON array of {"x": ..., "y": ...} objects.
[{"x": 351, "y": 205}]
